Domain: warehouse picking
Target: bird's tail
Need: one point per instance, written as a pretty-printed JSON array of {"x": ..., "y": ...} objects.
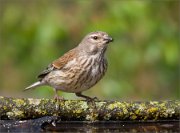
[{"x": 34, "y": 85}]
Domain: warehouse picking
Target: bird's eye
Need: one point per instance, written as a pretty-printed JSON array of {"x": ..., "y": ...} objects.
[{"x": 95, "y": 37}]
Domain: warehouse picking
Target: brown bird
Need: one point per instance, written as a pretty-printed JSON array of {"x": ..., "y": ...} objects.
[{"x": 80, "y": 68}]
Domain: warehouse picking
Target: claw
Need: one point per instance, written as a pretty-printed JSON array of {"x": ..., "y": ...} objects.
[
  {"x": 58, "y": 98},
  {"x": 89, "y": 99},
  {"x": 92, "y": 99}
]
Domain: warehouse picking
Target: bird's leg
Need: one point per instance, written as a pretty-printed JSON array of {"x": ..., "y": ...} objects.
[
  {"x": 56, "y": 96},
  {"x": 86, "y": 97}
]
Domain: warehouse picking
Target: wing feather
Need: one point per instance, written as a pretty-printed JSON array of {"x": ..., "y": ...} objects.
[{"x": 58, "y": 63}]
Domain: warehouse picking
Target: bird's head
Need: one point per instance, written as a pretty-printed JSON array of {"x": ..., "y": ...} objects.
[{"x": 95, "y": 42}]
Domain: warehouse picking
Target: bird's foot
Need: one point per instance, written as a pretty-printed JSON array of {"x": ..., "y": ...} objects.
[
  {"x": 94, "y": 99},
  {"x": 88, "y": 99},
  {"x": 58, "y": 98}
]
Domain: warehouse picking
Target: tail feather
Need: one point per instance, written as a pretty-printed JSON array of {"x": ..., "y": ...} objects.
[{"x": 34, "y": 85}]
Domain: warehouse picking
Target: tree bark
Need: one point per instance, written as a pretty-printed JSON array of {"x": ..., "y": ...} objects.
[{"x": 79, "y": 110}]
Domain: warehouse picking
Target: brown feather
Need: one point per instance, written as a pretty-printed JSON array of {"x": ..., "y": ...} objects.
[
  {"x": 58, "y": 64},
  {"x": 63, "y": 60}
]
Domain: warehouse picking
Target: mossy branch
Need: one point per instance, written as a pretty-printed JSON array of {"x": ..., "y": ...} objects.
[{"x": 22, "y": 108}]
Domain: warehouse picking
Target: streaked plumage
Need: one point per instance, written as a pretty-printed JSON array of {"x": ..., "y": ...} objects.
[{"x": 80, "y": 68}]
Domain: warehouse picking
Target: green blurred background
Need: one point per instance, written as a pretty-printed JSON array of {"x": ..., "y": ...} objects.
[{"x": 143, "y": 59}]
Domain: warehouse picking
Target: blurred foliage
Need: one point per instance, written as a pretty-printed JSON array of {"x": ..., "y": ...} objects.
[{"x": 143, "y": 59}]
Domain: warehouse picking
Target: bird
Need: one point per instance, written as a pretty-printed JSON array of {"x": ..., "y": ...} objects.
[{"x": 79, "y": 69}]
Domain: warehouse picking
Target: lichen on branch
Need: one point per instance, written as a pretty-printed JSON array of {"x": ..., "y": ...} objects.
[{"x": 80, "y": 110}]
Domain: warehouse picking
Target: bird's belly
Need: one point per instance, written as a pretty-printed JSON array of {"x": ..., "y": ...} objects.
[
  {"x": 92, "y": 78},
  {"x": 77, "y": 79}
]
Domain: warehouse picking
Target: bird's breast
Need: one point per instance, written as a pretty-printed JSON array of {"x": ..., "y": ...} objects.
[
  {"x": 94, "y": 69},
  {"x": 79, "y": 74}
]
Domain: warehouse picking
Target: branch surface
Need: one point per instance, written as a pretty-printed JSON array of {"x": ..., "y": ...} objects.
[{"x": 79, "y": 110}]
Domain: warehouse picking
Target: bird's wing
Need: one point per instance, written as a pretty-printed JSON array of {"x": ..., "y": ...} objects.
[
  {"x": 46, "y": 71},
  {"x": 63, "y": 60},
  {"x": 59, "y": 63}
]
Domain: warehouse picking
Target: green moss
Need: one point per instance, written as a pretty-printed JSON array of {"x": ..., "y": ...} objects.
[
  {"x": 153, "y": 110},
  {"x": 44, "y": 112},
  {"x": 77, "y": 111},
  {"x": 107, "y": 116},
  {"x": 83, "y": 105},
  {"x": 153, "y": 103},
  {"x": 15, "y": 113},
  {"x": 88, "y": 111},
  {"x": 19, "y": 102},
  {"x": 34, "y": 101},
  {"x": 4, "y": 107},
  {"x": 137, "y": 112},
  {"x": 91, "y": 116},
  {"x": 114, "y": 105},
  {"x": 133, "y": 117},
  {"x": 100, "y": 104}
]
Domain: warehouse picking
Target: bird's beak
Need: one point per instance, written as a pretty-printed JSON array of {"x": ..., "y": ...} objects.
[{"x": 108, "y": 39}]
